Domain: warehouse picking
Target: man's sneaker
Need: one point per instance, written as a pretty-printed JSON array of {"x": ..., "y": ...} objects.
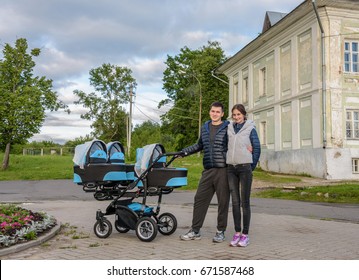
[
  {"x": 243, "y": 240},
  {"x": 191, "y": 235},
  {"x": 219, "y": 237},
  {"x": 235, "y": 239}
]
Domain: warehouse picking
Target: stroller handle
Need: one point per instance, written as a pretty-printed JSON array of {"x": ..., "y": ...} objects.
[{"x": 173, "y": 154}]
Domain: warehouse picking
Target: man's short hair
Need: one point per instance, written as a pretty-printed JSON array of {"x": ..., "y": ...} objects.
[{"x": 218, "y": 104}]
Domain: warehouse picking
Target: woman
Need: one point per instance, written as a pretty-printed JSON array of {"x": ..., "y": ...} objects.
[{"x": 242, "y": 157}]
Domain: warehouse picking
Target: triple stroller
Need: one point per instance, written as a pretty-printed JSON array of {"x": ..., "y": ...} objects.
[{"x": 100, "y": 168}]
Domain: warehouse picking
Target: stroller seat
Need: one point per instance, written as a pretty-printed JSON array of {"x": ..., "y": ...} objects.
[{"x": 160, "y": 175}]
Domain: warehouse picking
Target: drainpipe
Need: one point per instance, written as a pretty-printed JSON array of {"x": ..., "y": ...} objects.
[{"x": 324, "y": 85}]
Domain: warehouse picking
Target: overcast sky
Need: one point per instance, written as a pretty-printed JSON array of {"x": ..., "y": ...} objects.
[{"x": 78, "y": 35}]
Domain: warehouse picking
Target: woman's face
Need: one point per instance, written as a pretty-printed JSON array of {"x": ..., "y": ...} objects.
[{"x": 237, "y": 116}]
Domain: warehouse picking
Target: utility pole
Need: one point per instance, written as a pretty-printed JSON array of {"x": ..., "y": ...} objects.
[{"x": 131, "y": 92}]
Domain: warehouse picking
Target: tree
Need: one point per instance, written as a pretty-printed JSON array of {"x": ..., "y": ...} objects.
[
  {"x": 78, "y": 141},
  {"x": 24, "y": 97},
  {"x": 188, "y": 77},
  {"x": 149, "y": 133},
  {"x": 106, "y": 103}
]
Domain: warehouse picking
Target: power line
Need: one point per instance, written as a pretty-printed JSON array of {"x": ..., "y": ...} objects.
[{"x": 146, "y": 115}]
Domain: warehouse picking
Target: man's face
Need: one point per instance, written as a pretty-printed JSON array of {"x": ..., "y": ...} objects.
[{"x": 216, "y": 114}]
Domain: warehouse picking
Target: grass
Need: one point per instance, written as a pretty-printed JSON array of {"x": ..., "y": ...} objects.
[
  {"x": 37, "y": 168},
  {"x": 49, "y": 167}
]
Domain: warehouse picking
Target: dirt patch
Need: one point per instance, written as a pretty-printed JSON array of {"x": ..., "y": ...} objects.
[{"x": 304, "y": 182}]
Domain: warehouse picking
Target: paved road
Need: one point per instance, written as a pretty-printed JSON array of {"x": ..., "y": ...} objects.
[
  {"x": 280, "y": 230},
  {"x": 55, "y": 190}
]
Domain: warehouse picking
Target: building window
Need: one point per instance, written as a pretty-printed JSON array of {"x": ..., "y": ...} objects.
[
  {"x": 262, "y": 81},
  {"x": 245, "y": 90},
  {"x": 352, "y": 124},
  {"x": 351, "y": 53},
  {"x": 263, "y": 133},
  {"x": 355, "y": 165}
]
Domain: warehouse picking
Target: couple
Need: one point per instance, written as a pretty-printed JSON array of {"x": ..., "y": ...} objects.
[{"x": 231, "y": 150}]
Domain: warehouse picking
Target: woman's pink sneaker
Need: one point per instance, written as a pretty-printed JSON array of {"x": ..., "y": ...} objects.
[
  {"x": 235, "y": 240},
  {"x": 243, "y": 241}
]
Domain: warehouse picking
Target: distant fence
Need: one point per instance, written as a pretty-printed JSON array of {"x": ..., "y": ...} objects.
[{"x": 59, "y": 151}]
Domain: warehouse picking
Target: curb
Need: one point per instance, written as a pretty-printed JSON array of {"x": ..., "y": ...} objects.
[{"x": 23, "y": 246}]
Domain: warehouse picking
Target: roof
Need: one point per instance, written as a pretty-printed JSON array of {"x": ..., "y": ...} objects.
[{"x": 276, "y": 27}]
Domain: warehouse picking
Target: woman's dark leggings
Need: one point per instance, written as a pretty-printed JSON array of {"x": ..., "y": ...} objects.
[{"x": 240, "y": 182}]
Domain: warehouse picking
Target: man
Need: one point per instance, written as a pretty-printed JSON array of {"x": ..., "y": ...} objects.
[{"x": 213, "y": 142}]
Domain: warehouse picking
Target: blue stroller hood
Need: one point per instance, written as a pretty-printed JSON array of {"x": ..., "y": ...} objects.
[
  {"x": 94, "y": 150},
  {"x": 115, "y": 152}
]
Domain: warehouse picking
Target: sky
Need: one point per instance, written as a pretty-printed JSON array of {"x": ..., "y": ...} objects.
[{"x": 76, "y": 36}]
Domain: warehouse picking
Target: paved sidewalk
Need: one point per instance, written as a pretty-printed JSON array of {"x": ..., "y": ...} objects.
[{"x": 273, "y": 237}]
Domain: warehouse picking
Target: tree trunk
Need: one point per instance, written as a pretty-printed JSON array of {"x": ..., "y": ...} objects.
[{"x": 5, "y": 163}]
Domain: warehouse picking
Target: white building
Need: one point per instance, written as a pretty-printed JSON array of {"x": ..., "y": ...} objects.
[{"x": 299, "y": 81}]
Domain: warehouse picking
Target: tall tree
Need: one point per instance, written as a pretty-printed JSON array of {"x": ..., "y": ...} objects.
[
  {"x": 190, "y": 87},
  {"x": 24, "y": 97},
  {"x": 111, "y": 84}
]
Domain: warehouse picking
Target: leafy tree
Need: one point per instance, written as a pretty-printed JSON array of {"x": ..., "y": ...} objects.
[
  {"x": 188, "y": 76},
  {"x": 109, "y": 118},
  {"x": 149, "y": 133},
  {"x": 24, "y": 97}
]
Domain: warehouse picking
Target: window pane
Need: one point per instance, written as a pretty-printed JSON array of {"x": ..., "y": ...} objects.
[
  {"x": 356, "y": 115},
  {"x": 346, "y": 57},
  {"x": 346, "y": 46},
  {"x": 356, "y": 132},
  {"x": 349, "y": 116},
  {"x": 355, "y": 67},
  {"x": 354, "y": 47},
  {"x": 355, "y": 57}
]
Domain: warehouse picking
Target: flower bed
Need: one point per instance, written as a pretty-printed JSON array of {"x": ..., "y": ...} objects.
[{"x": 20, "y": 225}]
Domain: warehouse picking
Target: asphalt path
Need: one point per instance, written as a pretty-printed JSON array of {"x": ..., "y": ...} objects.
[{"x": 66, "y": 190}]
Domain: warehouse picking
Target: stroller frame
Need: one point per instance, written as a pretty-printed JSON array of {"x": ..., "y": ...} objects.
[{"x": 130, "y": 215}]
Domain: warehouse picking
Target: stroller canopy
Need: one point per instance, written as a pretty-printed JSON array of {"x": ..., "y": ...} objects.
[
  {"x": 84, "y": 152},
  {"x": 146, "y": 155}
]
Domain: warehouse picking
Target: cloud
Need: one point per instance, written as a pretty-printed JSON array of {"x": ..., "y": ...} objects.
[{"x": 78, "y": 35}]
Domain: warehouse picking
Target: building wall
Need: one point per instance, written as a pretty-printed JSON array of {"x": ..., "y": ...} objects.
[{"x": 288, "y": 109}]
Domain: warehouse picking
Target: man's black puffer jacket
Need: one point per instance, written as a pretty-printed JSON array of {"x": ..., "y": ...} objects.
[{"x": 214, "y": 156}]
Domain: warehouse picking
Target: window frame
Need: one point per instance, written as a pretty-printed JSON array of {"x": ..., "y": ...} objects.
[
  {"x": 351, "y": 56},
  {"x": 262, "y": 82},
  {"x": 352, "y": 124},
  {"x": 355, "y": 165}
]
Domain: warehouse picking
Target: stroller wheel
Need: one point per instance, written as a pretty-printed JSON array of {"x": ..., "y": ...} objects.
[
  {"x": 101, "y": 196},
  {"x": 166, "y": 191},
  {"x": 103, "y": 228},
  {"x": 121, "y": 229},
  {"x": 167, "y": 223},
  {"x": 146, "y": 229}
]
